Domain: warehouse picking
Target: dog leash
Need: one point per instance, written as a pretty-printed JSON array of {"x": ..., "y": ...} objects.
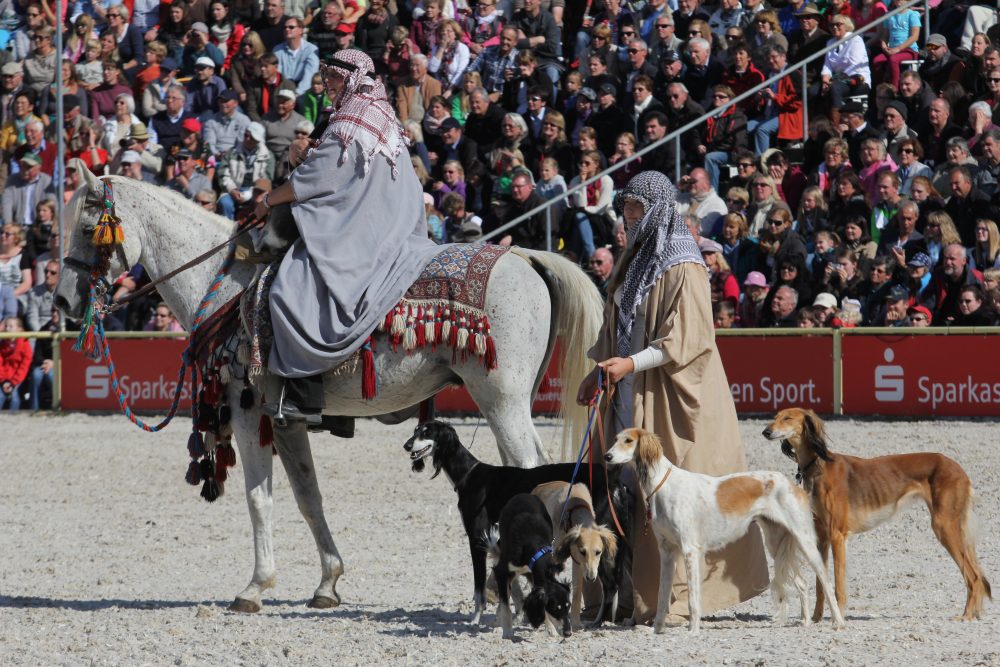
[
  {"x": 604, "y": 449},
  {"x": 649, "y": 509},
  {"x": 586, "y": 437}
]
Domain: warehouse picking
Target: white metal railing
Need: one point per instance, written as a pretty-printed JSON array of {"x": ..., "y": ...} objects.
[{"x": 676, "y": 135}]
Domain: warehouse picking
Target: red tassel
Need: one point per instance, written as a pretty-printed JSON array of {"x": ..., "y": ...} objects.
[
  {"x": 266, "y": 431},
  {"x": 421, "y": 338},
  {"x": 368, "y": 388},
  {"x": 453, "y": 334},
  {"x": 227, "y": 455},
  {"x": 88, "y": 343},
  {"x": 220, "y": 471},
  {"x": 490, "y": 360}
]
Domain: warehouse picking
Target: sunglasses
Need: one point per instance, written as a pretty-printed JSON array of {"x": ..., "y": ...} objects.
[
  {"x": 761, "y": 185},
  {"x": 535, "y": 98},
  {"x": 906, "y": 150},
  {"x": 994, "y": 79},
  {"x": 733, "y": 37},
  {"x": 627, "y": 34},
  {"x": 694, "y": 33},
  {"x": 50, "y": 272},
  {"x": 633, "y": 51},
  {"x": 664, "y": 26},
  {"x": 778, "y": 221},
  {"x": 744, "y": 165}
]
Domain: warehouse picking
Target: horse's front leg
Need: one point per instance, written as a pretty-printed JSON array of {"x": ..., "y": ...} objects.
[
  {"x": 257, "y": 473},
  {"x": 296, "y": 456}
]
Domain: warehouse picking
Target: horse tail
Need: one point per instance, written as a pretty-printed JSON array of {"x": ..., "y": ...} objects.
[{"x": 577, "y": 314}]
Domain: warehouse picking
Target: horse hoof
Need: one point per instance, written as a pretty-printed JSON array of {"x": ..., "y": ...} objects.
[
  {"x": 323, "y": 602},
  {"x": 244, "y": 606}
]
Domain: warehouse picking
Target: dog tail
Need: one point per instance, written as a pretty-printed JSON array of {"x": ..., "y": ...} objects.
[
  {"x": 787, "y": 562},
  {"x": 491, "y": 541},
  {"x": 970, "y": 531}
]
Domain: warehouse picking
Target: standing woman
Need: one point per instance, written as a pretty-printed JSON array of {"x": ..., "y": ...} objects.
[
  {"x": 657, "y": 345},
  {"x": 226, "y": 34}
]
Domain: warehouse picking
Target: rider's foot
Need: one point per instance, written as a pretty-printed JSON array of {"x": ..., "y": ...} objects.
[
  {"x": 342, "y": 427},
  {"x": 287, "y": 412}
]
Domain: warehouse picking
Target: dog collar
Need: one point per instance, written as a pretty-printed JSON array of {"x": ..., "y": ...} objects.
[
  {"x": 538, "y": 554},
  {"x": 800, "y": 475}
]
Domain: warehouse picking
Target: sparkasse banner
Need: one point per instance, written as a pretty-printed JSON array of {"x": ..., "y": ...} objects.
[
  {"x": 954, "y": 376},
  {"x": 147, "y": 375},
  {"x": 768, "y": 373}
]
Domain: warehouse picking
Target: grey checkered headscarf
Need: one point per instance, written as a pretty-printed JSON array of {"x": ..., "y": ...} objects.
[{"x": 660, "y": 240}]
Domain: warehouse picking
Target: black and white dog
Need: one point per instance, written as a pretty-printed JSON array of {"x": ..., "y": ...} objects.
[
  {"x": 484, "y": 489},
  {"x": 522, "y": 544}
]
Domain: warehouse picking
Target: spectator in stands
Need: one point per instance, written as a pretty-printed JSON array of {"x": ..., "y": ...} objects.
[
  {"x": 887, "y": 199},
  {"x": 917, "y": 96},
  {"x": 848, "y": 200},
  {"x": 902, "y": 240},
  {"x": 750, "y": 309},
  {"x": 910, "y": 166},
  {"x": 15, "y": 362},
  {"x": 497, "y": 64},
  {"x": 15, "y": 263},
  {"x": 552, "y": 143},
  {"x": 895, "y": 311},
  {"x": 262, "y": 95},
  {"x": 414, "y": 97},
  {"x": 766, "y": 33},
  {"x": 790, "y": 180},
  {"x": 323, "y": 34},
  {"x": 39, "y": 307},
  {"x": 537, "y": 108},
  {"x": 972, "y": 309},
  {"x": 40, "y": 66},
  {"x": 844, "y": 277},
  {"x": 450, "y": 57},
  {"x": 896, "y": 130},
  {"x": 591, "y": 215},
  {"x": 722, "y": 134},
  {"x": 739, "y": 251},
  {"x": 784, "y": 245},
  {"x": 187, "y": 179},
  {"x": 279, "y": 125},
  {"x": 608, "y": 120},
  {"x": 741, "y": 76},
  {"x": 763, "y": 197},
  {"x": 24, "y": 190},
  {"x": 703, "y": 71},
  {"x": 204, "y": 89},
  {"x": 940, "y": 130},
  {"x": 163, "y": 320},
  {"x": 131, "y": 47},
  {"x": 167, "y": 123},
  {"x": 858, "y": 131},
  {"x": 637, "y": 65},
  {"x": 102, "y": 98},
  {"x": 720, "y": 276},
  {"x": 686, "y": 12},
  {"x": 985, "y": 253},
  {"x": 782, "y": 311},
  {"x": 671, "y": 70},
  {"x": 373, "y": 30},
  {"x": 700, "y": 199},
  {"x": 242, "y": 167},
  {"x": 484, "y": 122},
  {"x": 539, "y": 32},
  {"x": 298, "y": 60},
  {"x": 625, "y": 147},
  {"x": 898, "y": 36},
  {"x": 728, "y": 15},
  {"x": 245, "y": 64},
  {"x": 225, "y": 128},
  {"x": 529, "y": 233},
  {"x": 154, "y": 97},
  {"x": 941, "y": 64},
  {"x": 959, "y": 155},
  {"x": 967, "y": 204},
  {"x": 942, "y": 294},
  {"x": 602, "y": 264},
  {"x": 119, "y": 126},
  {"x": 270, "y": 26},
  {"x": 919, "y": 316}
]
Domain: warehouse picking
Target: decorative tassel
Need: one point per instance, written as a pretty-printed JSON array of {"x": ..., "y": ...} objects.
[
  {"x": 225, "y": 415},
  {"x": 368, "y": 387},
  {"x": 398, "y": 322},
  {"x": 410, "y": 337},
  {"x": 246, "y": 397},
  {"x": 193, "y": 475},
  {"x": 266, "y": 431},
  {"x": 439, "y": 335},
  {"x": 196, "y": 446},
  {"x": 220, "y": 471},
  {"x": 227, "y": 455},
  {"x": 480, "y": 342},
  {"x": 419, "y": 332},
  {"x": 225, "y": 373},
  {"x": 119, "y": 235},
  {"x": 210, "y": 491},
  {"x": 429, "y": 328},
  {"x": 490, "y": 358},
  {"x": 462, "y": 339}
]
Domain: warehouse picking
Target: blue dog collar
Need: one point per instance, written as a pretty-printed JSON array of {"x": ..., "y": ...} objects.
[{"x": 538, "y": 554}]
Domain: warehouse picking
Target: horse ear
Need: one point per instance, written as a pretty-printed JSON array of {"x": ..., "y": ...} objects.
[
  {"x": 89, "y": 179},
  {"x": 814, "y": 434}
]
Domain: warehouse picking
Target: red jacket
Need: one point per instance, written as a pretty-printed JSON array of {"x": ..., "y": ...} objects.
[
  {"x": 15, "y": 360},
  {"x": 789, "y": 103}
]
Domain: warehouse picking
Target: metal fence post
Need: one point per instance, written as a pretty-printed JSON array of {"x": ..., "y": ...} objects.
[
  {"x": 677, "y": 160},
  {"x": 57, "y": 338},
  {"x": 838, "y": 372},
  {"x": 548, "y": 229},
  {"x": 805, "y": 105}
]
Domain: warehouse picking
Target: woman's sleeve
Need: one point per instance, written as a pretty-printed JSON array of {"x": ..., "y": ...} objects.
[
  {"x": 461, "y": 63},
  {"x": 604, "y": 200}
]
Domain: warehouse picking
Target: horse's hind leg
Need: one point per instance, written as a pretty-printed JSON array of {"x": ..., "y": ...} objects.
[
  {"x": 509, "y": 417},
  {"x": 258, "y": 474},
  {"x": 296, "y": 456}
]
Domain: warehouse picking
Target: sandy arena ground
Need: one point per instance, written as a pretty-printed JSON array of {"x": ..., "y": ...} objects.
[{"x": 109, "y": 558}]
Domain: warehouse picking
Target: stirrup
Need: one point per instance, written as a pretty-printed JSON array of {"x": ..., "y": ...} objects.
[{"x": 285, "y": 413}]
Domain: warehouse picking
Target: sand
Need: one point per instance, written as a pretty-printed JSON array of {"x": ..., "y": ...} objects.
[{"x": 109, "y": 558}]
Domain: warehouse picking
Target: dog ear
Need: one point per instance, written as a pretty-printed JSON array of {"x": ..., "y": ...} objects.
[
  {"x": 814, "y": 434},
  {"x": 534, "y": 606},
  {"x": 610, "y": 543},
  {"x": 649, "y": 449},
  {"x": 445, "y": 440},
  {"x": 564, "y": 547}
]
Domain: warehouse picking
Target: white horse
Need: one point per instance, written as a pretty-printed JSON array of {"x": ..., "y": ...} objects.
[{"x": 528, "y": 303}]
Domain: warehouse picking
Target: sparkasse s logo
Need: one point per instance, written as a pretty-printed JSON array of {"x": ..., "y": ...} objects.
[
  {"x": 98, "y": 384},
  {"x": 889, "y": 383}
]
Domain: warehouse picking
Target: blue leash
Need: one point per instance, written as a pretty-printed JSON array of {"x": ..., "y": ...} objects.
[{"x": 594, "y": 406}]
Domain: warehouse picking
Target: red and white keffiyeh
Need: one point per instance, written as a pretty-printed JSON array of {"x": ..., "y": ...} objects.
[{"x": 362, "y": 111}]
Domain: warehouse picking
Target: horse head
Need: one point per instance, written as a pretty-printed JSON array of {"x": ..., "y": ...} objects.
[{"x": 82, "y": 256}]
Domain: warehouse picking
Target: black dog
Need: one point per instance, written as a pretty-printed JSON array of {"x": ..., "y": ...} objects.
[
  {"x": 523, "y": 545},
  {"x": 484, "y": 489}
]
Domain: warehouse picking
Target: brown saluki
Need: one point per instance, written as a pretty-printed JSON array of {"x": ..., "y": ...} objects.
[{"x": 853, "y": 495}]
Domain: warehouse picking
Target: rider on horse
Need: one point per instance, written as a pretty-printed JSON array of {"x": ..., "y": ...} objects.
[{"x": 358, "y": 208}]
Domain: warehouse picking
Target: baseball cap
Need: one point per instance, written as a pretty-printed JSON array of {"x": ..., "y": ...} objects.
[
  {"x": 921, "y": 259},
  {"x": 937, "y": 39},
  {"x": 287, "y": 94},
  {"x": 450, "y": 124},
  {"x": 191, "y": 125},
  {"x": 256, "y": 131},
  {"x": 826, "y": 300},
  {"x": 587, "y": 93},
  {"x": 669, "y": 56},
  {"x": 755, "y": 279},
  {"x": 31, "y": 158},
  {"x": 9, "y": 69},
  {"x": 204, "y": 61},
  {"x": 199, "y": 26},
  {"x": 169, "y": 64},
  {"x": 129, "y": 157},
  {"x": 608, "y": 89},
  {"x": 919, "y": 309},
  {"x": 899, "y": 293},
  {"x": 229, "y": 95},
  {"x": 708, "y": 245},
  {"x": 344, "y": 28},
  {"x": 184, "y": 154}
]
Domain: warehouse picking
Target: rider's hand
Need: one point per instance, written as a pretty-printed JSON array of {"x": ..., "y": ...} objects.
[
  {"x": 617, "y": 367},
  {"x": 261, "y": 210}
]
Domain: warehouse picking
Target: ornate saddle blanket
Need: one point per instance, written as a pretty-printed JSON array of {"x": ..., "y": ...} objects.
[{"x": 446, "y": 305}]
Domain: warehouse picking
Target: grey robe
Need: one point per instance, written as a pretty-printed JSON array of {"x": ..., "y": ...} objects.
[{"x": 363, "y": 243}]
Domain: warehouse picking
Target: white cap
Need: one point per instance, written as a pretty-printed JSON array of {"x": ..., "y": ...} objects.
[
  {"x": 204, "y": 61},
  {"x": 129, "y": 156},
  {"x": 256, "y": 131},
  {"x": 287, "y": 94}
]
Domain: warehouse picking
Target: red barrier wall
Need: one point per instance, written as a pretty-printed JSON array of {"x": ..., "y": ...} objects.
[{"x": 767, "y": 374}]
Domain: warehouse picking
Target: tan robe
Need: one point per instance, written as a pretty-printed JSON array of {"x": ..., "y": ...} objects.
[{"x": 688, "y": 404}]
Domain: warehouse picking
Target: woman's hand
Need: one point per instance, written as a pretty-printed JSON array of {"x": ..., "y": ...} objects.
[
  {"x": 617, "y": 368},
  {"x": 587, "y": 388}
]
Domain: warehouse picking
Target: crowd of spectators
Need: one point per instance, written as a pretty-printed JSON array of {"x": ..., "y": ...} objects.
[{"x": 879, "y": 209}]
